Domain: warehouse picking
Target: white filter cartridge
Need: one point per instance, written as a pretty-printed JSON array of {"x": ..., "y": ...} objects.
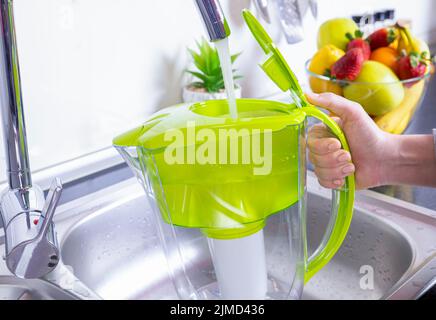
[{"x": 240, "y": 266}]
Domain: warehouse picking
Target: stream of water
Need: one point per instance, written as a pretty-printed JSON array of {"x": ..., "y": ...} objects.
[{"x": 226, "y": 65}]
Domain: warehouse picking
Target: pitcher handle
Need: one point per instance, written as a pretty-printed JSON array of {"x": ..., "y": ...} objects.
[{"x": 342, "y": 206}]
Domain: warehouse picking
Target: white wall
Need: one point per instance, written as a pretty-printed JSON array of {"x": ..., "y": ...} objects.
[{"x": 94, "y": 68}]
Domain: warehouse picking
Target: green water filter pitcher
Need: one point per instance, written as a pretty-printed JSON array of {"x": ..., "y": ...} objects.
[{"x": 229, "y": 195}]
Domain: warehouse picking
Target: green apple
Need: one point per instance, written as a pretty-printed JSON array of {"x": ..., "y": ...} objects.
[
  {"x": 377, "y": 89},
  {"x": 334, "y": 32}
]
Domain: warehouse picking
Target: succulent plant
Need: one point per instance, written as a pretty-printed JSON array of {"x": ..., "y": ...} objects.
[{"x": 209, "y": 75}]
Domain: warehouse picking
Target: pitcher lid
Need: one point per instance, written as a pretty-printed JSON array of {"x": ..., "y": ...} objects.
[{"x": 260, "y": 114}]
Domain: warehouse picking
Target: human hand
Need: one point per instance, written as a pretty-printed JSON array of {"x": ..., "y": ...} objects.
[{"x": 367, "y": 144}]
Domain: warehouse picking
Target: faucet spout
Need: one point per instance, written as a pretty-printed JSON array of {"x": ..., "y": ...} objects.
[
  {"x": 213, "y": 19},
  {"x": 14, "y": 127},
  {"x": 30, "y": 240}
]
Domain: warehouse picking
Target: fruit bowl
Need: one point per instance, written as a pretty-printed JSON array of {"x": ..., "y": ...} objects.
[{"x": 391, "y": 104}]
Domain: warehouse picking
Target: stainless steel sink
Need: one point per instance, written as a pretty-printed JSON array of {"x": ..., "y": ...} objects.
[
  {"x": 114, "y": 248},
  {"x": 116, "y": 252},
  {"x": 371, "y": 242},
  {"x": 108, "y": 240}
]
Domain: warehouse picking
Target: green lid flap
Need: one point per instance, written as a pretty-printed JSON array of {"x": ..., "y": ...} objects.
[
  {"x": 258, "y": 31},
  {"x": 275, "y": 67}
]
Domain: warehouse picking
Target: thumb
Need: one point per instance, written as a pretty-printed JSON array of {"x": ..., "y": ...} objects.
[{"x": 340, "y": 106}]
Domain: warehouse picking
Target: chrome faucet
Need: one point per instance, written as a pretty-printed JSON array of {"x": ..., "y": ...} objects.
[
  {"x": 31, "y": 246},
  {"x": 213, "y": 19}
]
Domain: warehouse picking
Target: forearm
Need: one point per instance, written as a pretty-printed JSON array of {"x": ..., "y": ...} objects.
[{"x": 410, "y": 160}]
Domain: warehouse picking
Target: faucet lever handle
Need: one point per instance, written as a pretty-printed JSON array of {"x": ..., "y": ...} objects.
[{"x": 50, "y": 206}]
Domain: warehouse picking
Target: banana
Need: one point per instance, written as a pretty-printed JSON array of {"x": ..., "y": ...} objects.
[
  {"x": 404, "y": 44},
  {"x": 402, "y": 126},
  {"x": 397, "y": 120},
  {"x": 408, "y": 44}
]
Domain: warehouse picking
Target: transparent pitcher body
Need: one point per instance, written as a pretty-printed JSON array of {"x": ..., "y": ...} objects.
[{"x": 232, "y": 228}]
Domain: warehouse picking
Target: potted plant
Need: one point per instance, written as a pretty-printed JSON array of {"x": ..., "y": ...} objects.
[{"x": 209, "y": 82}]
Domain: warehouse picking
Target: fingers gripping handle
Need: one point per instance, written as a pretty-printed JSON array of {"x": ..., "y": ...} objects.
[{"x": 342, "y": 208}]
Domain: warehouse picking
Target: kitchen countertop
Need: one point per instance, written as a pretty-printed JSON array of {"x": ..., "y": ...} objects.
[{"x": 423, "y": 123}]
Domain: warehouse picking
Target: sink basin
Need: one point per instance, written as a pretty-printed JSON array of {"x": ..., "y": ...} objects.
[
  {"x": 111, "y": 250},
  {"x": 371, "y": 243},
  {"x": 116, "y": 252},
  {"x": 114, "y": 249}
]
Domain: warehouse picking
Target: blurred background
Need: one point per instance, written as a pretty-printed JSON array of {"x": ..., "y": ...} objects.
[{"x": 93, "y": 68}]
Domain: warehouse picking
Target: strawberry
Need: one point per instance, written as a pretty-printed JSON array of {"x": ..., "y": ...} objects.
[
  {"x": 358, "y": 42},
  {"x": 349, "y": 66},
  {"x": 412, "y": 66},
  {"x": 382, "y": 38}
]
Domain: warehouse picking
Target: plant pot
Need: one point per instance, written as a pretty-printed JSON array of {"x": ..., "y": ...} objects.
[{"x": 191, "y": 94}]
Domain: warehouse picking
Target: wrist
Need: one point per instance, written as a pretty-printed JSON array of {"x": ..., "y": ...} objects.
[
  {"x": 388, "y": 158},
  {"x": 408, "y": 160}
]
